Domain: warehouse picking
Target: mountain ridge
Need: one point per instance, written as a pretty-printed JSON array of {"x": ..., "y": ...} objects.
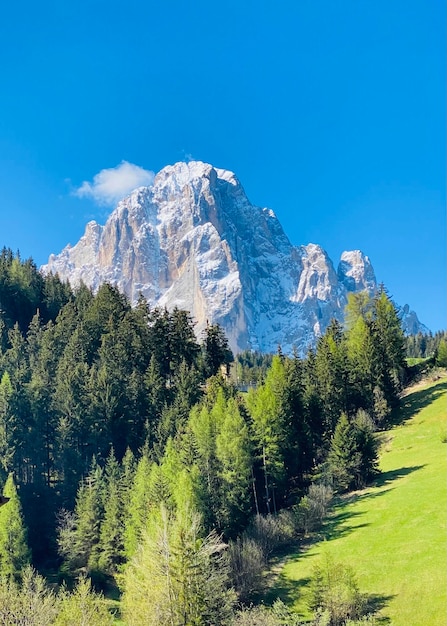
[{"x": 193, "y": 240}]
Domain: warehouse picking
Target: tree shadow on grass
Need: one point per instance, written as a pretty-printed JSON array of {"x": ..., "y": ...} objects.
[
  {"x": 413, "y": 403},
  {"x": 384, "y": 478},
  {"x": 288, "y": 590},
  {"x": 376, "y": 603},
  {"x": 336, "y": 526}
]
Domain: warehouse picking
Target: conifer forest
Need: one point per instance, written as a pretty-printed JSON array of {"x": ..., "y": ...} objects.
[{"x": 142, "y": 463}]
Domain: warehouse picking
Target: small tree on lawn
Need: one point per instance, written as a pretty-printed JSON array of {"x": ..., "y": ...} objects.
[{"x": 333, "y": 590}]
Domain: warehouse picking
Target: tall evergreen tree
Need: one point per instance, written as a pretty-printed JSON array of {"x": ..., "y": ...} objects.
[
  {"x": 14, "y": 551},
  {"x": 203, "y": 428},
  {"x": 138, "y": 505},
  {"x": 111, "y": 539},
  {"x": 79, "y": 534},
  {"x": 73, "y": 407},
  {"x": 364, "y": 363},
  {"x": 300, "y": 446},
  {"x": 7, "y": 444},
  {"x": 344, "y": 457},
  {"x": 182, "y": 340},
  {"x": 19, "y": 430},
  {"x": 269, "y": 425},
  {"x": 216, "y": 350},
  {"x": 331, "y": 370},
  {"x": 353, "y": 456},
  {"x": 391, "y": 341},
  {"x": 234, "y": 462}
]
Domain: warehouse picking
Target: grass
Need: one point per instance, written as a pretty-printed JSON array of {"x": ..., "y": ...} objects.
[
  {"x": 416, "y": 360},
  {"x": 392, "y": 534}
]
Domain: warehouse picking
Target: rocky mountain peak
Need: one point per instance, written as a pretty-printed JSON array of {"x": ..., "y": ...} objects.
[
  {"x": 356, "y": 272},
  {"x": 193, "y": 240}
]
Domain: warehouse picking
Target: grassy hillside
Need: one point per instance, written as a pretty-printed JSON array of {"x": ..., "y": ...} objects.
[{"x": 394, "y": 533}]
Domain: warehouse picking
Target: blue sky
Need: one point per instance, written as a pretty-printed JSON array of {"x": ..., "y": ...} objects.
[{"x": 330, "y": 113}]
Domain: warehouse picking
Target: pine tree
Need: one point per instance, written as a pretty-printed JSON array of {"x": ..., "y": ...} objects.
[
  {"x": 312, "y": 408},
  {"x": 111, "y": 539},
  {"x": 20, "y": 443},
  {"x": 441, "y": 355},
  {"x": 368, "y": 447},
  {"x": 79, "y": 533},
  {"x": 128, "y": 468},
  {"x": 203, "y": 429},
  {"x": 234, "y": 462},
  {"x": 344, "y": 458},
  {"x": 364, "y": 363},
  {"x": 269, "y": 425},
  {"x": 7, "y": 447},
  {"x": 14, "y": 551},
  {"x": 353, "y": 455},
  {"x": 160, "y": 346},
  {"x": 376, "y": 349},
  {"x": 137, "y": 509},
  {"x": 331, "y": 371},
  {"x": 299, "y": 451},
  {"x": 178, "y": 575},
  {"x": 56, "y": 294},
  {"x": 391, "y": 341},
  {"x": 105, "y": 313},
  {"x": 216, "y": 350},
  {"x": 72, "y": 405},
  {"x": 182, "y": 339}
]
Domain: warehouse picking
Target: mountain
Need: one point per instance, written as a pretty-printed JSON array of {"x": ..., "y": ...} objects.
[{"x": 193, "y": 240}]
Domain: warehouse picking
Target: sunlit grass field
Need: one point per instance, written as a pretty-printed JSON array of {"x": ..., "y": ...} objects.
[{"x": 393, "y": 534}]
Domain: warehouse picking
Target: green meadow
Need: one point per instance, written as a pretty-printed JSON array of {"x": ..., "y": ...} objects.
[{"x": 392, "y": 534}]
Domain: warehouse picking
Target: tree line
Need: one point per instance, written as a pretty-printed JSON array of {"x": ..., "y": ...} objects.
[
  {"x": 428, "y": 346},
  {"x": 127, "y": 452}
]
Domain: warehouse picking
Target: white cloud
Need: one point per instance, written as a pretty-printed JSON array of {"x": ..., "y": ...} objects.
[{"x": 113, "y": 184}]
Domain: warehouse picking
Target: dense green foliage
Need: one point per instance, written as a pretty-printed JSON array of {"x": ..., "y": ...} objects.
[
  {"x": 118, "y": 425},
  {"x": 424, "y": 346},
  {"x": 251, "y": 368}
]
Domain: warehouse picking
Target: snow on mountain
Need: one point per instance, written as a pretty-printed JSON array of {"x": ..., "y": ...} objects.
[{"x": 193, "y": 240}]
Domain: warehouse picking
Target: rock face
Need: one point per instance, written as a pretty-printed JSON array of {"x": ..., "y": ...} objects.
[{"x": 193, "y": 240}]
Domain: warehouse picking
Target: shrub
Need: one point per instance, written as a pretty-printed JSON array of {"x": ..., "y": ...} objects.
[
  {"x": 278, "y": 615},
  {"x": 312, "y": 508},
  {"x": 367, "y": 620},
  {"x": 82, "y": 606},
  {"x": 255, "y": 616},
  {"x": 272, "y": 531},
  {"x": 246, "y": 563},
  {"x": 247, "y": 556},
  {"x": 30, "y": 602}
]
